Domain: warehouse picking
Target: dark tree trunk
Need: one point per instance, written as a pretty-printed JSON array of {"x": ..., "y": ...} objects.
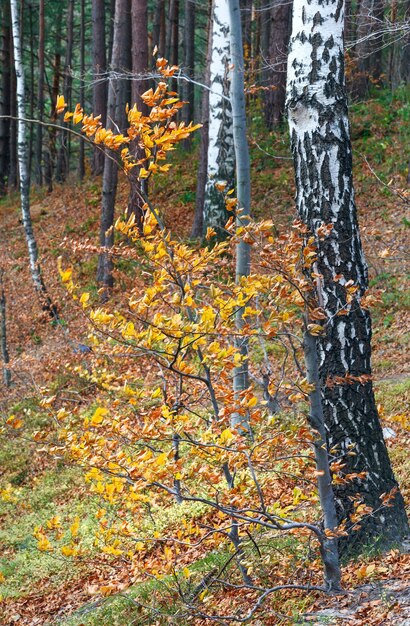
[
  {"x": 40, "y": 97},
  {"x": 139, "y": 17},
  {"x": 63, "y": 160},
  {"x": 3, "y": 333},
  {"x": 99, "y": 81},
  {"x": 31, "y": 88},
  {"x": 81, "y": 155},
  {"x": 158, "y": 29},
  {"x": 319, "y": 129},
  {"x": 265, "y": 21},
  {"x": 279, "y": 32},
  {"x": 115, "y": 115},
  {"x": 50, "y": 153},
  {"x": 189, "y": 66},
  {"x": 369, "y": 46},
  {"x": 5, "y": 90},
  {"x": 246, "y": 15},
  {"x": 198, "y": 223}
]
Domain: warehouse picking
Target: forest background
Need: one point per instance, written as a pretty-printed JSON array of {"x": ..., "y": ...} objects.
[{"x": 82, "y": 547}]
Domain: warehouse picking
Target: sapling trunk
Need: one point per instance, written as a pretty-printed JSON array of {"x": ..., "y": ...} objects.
[
  {"x": 243, "y": 190},
  {"x": 3, "y": 324},
  {"x": 329, "y": 547}
]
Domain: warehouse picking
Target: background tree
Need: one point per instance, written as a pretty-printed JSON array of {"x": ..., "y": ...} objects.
[
  {"x": 278, "y": 32},
  {"x": 99, "y": 69},
  {"x": 115, "y": 118}
]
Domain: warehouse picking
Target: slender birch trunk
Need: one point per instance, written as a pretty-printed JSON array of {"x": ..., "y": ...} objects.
[
  {"x": 22, "y": 152},
  {"x": 243, "y": 186},
  {"x": 221, "y": 156},
  {"x": 320, "y": 136}
]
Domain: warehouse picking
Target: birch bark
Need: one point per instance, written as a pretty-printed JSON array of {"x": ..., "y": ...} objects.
[
  {"x": 22, "y": 153},
  {"x": 320, "y": 137},
  {"x": 221, "y": 156}
]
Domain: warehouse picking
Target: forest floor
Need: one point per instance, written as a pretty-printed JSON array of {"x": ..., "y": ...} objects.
[{"x": 38, "y": 588}]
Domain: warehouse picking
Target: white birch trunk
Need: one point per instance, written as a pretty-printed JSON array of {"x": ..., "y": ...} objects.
[
  {"x": 22, "y": 150},
  {"x": 221, "y": 157},
  {"x": 320, "y": 136}
]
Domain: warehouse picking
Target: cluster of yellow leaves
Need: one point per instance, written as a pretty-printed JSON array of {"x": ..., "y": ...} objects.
[{"x": 156, "y": 133}]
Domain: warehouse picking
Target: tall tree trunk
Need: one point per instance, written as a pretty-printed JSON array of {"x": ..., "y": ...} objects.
[
  {"x": 189, "y": 66},
  {"x": 243, "y": 187},
  {"x": 368, "y": 49},
  {"x": 22, "y": 148},
  {"x": 139, "y": 18},
  {"x": 63, "y": 160},
  {"x": 246, "y": 15},
  {"x": 221, "y": 153},
  {"x": 81, "y": 155},
  {"x": 99, "y": 79},
  {"x": 31, "y": 86},
  {"x": 40, "y": 97},
  {"x": 279, "y": 32},
  {"x": 158, "y": 28},
  {"x": 198, "y": 223},
  {"x": 320, "y": 136},
  {"x": 5, "y": 89},
  {"x": 115, "y": 115},
  {"x": 3, "y": 333},
  {"x": 50, "y": 153}
]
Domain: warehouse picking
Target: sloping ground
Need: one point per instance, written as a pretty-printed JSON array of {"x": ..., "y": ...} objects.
[{"x": 37, "y": 588}]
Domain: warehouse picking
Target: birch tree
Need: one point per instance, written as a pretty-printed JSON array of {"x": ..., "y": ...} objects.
[
  {"x": 23, "y": 158},
  {"x": 221, "y": 157},
  {"x": 320, "y": 137}
]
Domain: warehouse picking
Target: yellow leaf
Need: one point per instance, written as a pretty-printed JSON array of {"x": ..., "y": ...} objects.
[
  {"x": 252, "y": 402},
  {"x": 315, "y": 329},
  {"x": 226, "y": 436},
  {"x": 69, "y": 550},
  {"x": 75, "y": 527},
  {"x": 186, "y": 573},
  {"x": 97, "y": 418},
  {"x": 84, "y": 298},
  {"x": 162, "y": 459},
  {"x": 139, "y": 545},
  {"x": 60, "y": 104}
]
